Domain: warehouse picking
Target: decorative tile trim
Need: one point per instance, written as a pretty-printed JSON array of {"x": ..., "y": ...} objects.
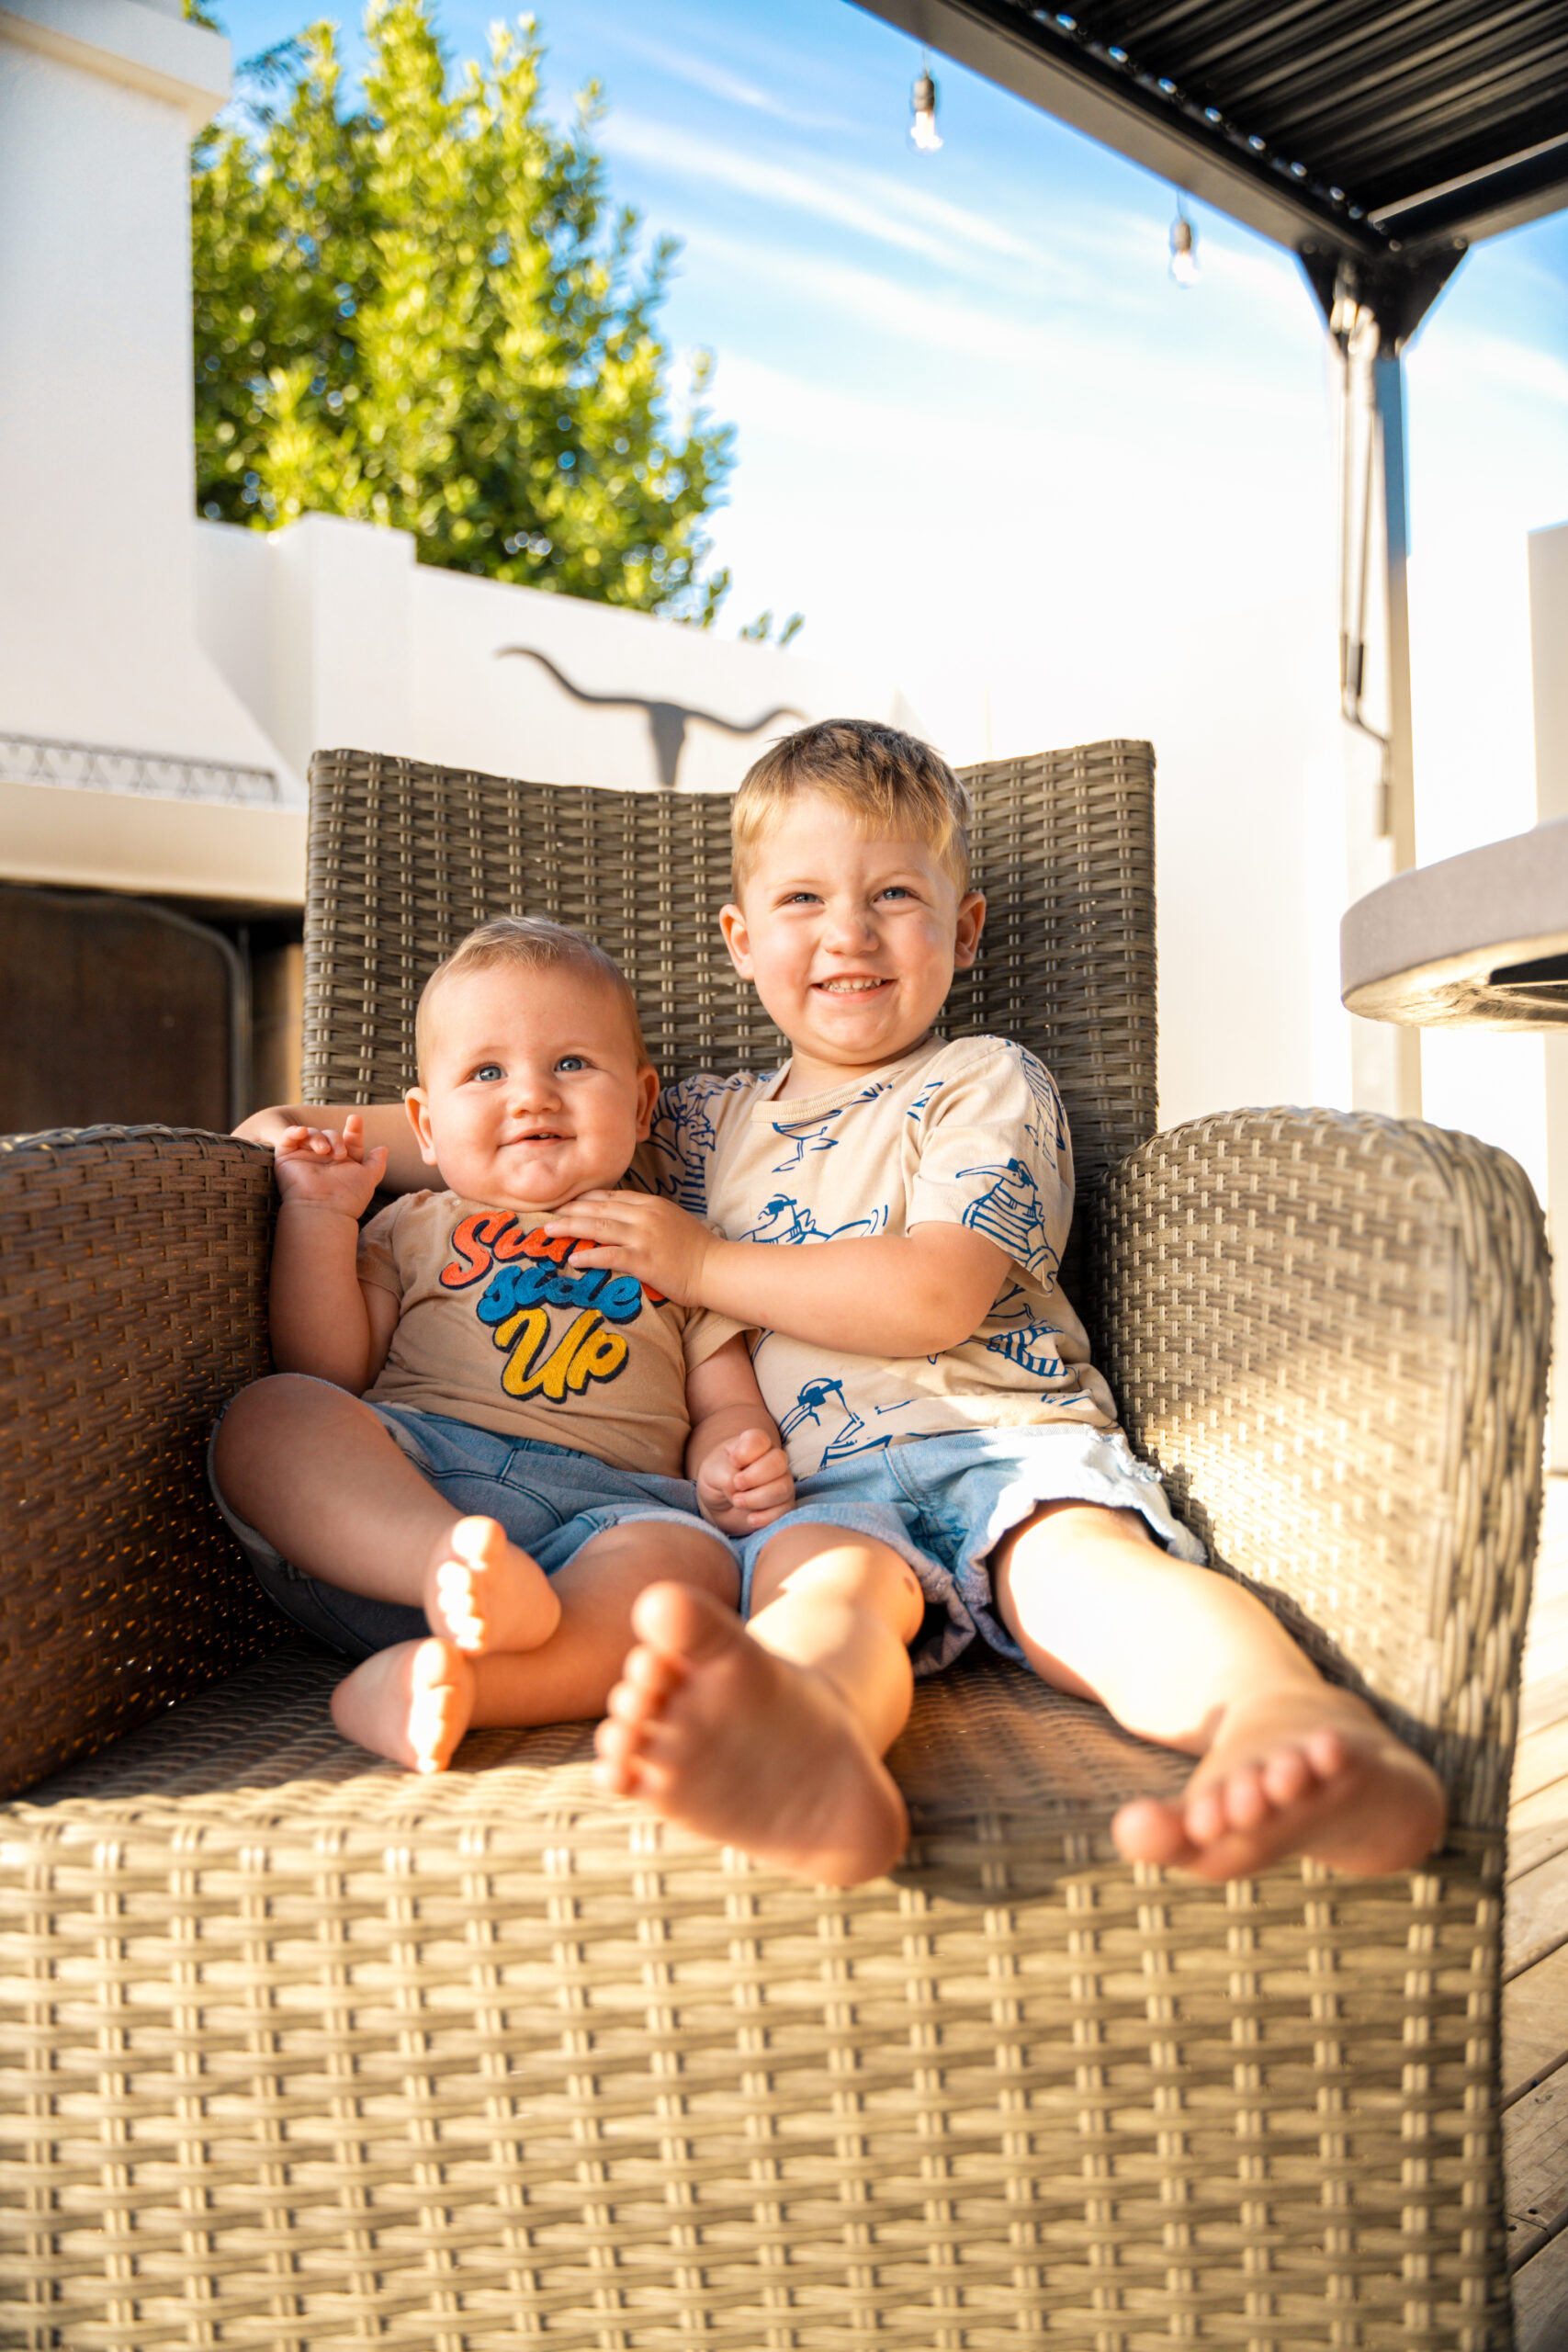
[{"x": 95, "y": 767}]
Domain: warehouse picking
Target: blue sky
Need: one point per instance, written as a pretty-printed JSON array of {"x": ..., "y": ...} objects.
[{"x": 983, "y": 441}]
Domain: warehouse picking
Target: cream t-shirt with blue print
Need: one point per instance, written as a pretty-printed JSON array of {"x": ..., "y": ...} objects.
[{"x": 970, "y": 1133}]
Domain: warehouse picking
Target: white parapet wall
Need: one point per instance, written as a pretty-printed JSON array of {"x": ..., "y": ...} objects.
[
  {"x": 105, "y": 693},
  {"x": 336, "y": 638}
]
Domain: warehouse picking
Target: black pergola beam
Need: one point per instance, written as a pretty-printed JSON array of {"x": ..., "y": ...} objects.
[{"x": 1054, "y": 67}]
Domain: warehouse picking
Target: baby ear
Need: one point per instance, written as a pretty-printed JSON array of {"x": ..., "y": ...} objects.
[
  {"x": 646, "y": 1096},
  {"x": 416, "y": 1103}
]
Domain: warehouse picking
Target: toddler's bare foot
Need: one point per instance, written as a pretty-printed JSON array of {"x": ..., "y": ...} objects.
[
  {"x": 722, "y": 1735},
  {"x": 411, "y": 1703},
  {"x": 484, "y": 1593},
  {"x": 1301, "y": 1771}
]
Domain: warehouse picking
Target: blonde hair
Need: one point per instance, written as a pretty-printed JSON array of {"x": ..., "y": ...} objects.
[
  {"x": 890, "y": 781},
  {"x": 534, "y": 944}
]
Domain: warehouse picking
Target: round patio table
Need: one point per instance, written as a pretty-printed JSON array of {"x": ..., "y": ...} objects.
[{"x": 1482, "y": 938}]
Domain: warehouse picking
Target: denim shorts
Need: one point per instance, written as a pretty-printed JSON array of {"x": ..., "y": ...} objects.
[
  {"x": 549, "y": 1500},
  {"x": 944, "y": 1503}
]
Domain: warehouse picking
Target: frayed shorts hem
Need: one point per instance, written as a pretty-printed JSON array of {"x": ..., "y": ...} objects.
[{"x": 944, "y": 1503}]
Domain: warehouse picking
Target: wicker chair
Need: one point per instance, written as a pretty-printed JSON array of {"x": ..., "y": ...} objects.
[{"x": 303, "y": 2052}]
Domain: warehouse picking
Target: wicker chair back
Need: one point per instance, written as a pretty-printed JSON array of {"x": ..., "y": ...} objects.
[{"x": 405, "y": 858}]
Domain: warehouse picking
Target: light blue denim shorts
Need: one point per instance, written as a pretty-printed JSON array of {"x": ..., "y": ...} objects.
[
  {"x": 944, "y": 1503},
  {"x": 550, "y": 1498}
]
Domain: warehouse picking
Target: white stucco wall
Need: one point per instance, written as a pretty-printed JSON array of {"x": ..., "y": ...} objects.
[
  {"x": 336, "y": 638},
  {"x": 98, "y": 99}
]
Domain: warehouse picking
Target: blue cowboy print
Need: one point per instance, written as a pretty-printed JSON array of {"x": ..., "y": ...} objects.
[
  {"x": 1011, "y": 1214},
  {"x": 921, "y": 1104},
  {"x": 811, "y": 1135},
  {"x": 1048, "y": 1131},
  {"x": 682, "y": 1137},
  {"x": 785, "y": 1219},
  {"x": 806, "y": 1134},
  {"x": 817, "y": 1404},
  {"x": 1027, "y": 1348}
]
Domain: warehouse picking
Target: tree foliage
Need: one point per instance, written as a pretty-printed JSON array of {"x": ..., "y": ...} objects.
[{"x": 424, "y": 314}]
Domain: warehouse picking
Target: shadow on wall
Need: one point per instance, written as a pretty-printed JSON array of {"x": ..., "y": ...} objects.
[{"x": 667, "y": 721}]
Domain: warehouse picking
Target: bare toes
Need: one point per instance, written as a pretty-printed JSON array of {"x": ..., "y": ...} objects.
[
  {"x": 1245, "y": 1798},
  {"x": 478, "y": 1540},
  {"x": 1327, "y": 1753},
  {"x": 1146, "y": 1831},
  {"x": 1287, "y": 1777},
  {"x": 1203, "y": 1816}
]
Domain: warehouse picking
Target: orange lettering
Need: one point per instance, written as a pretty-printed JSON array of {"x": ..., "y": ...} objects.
[
  {"x": 539, "y": 1244},
  {"x": 473, "y": 1241}
]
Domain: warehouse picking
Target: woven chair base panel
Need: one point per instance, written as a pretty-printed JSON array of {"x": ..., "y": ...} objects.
[{"x": 302, "y": 2052}]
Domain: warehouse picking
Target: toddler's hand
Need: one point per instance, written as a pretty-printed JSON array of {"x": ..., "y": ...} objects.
[
  {"x": 325, "y": 1169},
  {"x": 637, "y": 1233},
  {"x": 745, "y": 1483}
]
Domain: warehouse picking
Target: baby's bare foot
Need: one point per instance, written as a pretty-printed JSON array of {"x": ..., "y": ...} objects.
[
  {"x": 729, "y": 1740},
  {"x": 1308, "y": 1771},
  {"x": 484, "y": 1593},
  {"x": 411, "y": 1703}
]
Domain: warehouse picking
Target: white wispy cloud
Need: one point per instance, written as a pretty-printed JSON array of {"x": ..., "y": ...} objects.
[
  {"x": 870, "y": 203},
  {"x": 700, "y": 72},
  {"x": 1500, "y": 362}
]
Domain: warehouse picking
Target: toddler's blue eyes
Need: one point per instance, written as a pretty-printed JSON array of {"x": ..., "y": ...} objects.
[
  {"x": 487, "y": 1070},
  {"x": 571, "y": 1061}
]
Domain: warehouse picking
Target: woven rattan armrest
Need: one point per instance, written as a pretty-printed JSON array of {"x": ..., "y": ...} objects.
[
  {"x": 132, "y": 1303},
  {"x": 1329, "y": 1333}
]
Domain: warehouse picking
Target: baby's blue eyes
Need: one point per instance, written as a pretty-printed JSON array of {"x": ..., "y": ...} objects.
[{"x": 488, "y": 1072}]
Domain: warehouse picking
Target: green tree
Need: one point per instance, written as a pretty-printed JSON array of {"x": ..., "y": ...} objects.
[{"x": 422, "y": 313}]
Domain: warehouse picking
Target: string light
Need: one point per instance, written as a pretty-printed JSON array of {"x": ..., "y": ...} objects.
[
  {"x": 924, "y": 137},
  {"x": 1183, "y": 249}
]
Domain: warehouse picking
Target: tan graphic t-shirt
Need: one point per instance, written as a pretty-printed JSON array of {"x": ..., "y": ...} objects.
[
  {"x": 969, "y": 1133},
  {"x": 495, "y": 1328}
]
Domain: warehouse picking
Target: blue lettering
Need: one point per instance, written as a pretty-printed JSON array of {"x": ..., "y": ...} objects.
[
  {"x": 621, "y": 1300},
  {"x": 535, "y": 1282}
]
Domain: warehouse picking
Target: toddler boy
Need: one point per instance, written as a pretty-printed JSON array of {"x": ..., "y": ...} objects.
[
  {"x": 955, "y": 1454},
  {"x": 470, "y": 1460}
]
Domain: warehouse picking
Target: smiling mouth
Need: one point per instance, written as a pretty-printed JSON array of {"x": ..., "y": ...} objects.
[
  {"x": 545, "y": 1135},
  {"x": 851, "y": 987}
]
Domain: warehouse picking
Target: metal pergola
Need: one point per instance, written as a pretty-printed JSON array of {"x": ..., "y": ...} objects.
[{"x": 1375, "y": 142}]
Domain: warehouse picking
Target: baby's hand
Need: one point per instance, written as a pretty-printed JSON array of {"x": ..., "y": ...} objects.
[
  {"x": 745, "y": 1483},
  {"x": 322, "y": 1169}
]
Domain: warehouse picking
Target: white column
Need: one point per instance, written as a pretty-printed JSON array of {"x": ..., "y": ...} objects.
[{"x": 1385, "y": 1058}]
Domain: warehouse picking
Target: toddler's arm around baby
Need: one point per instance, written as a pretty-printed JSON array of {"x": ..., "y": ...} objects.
[{"x": 890, "y": 1295}]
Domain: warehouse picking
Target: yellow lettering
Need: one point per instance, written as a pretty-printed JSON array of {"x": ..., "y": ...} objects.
[
  {"x": 600, "y": 1356},
  {"x": 586, "y": 1350},
  {"x": 524, "y": 1332}
]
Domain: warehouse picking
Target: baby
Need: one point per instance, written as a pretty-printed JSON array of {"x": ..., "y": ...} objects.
[{"x": 473, "y": 1457}]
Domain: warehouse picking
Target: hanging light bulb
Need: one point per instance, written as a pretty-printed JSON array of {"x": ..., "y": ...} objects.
[
  {"x": 923, "y": 132},
  {"x": 1183, "y": 249}
]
